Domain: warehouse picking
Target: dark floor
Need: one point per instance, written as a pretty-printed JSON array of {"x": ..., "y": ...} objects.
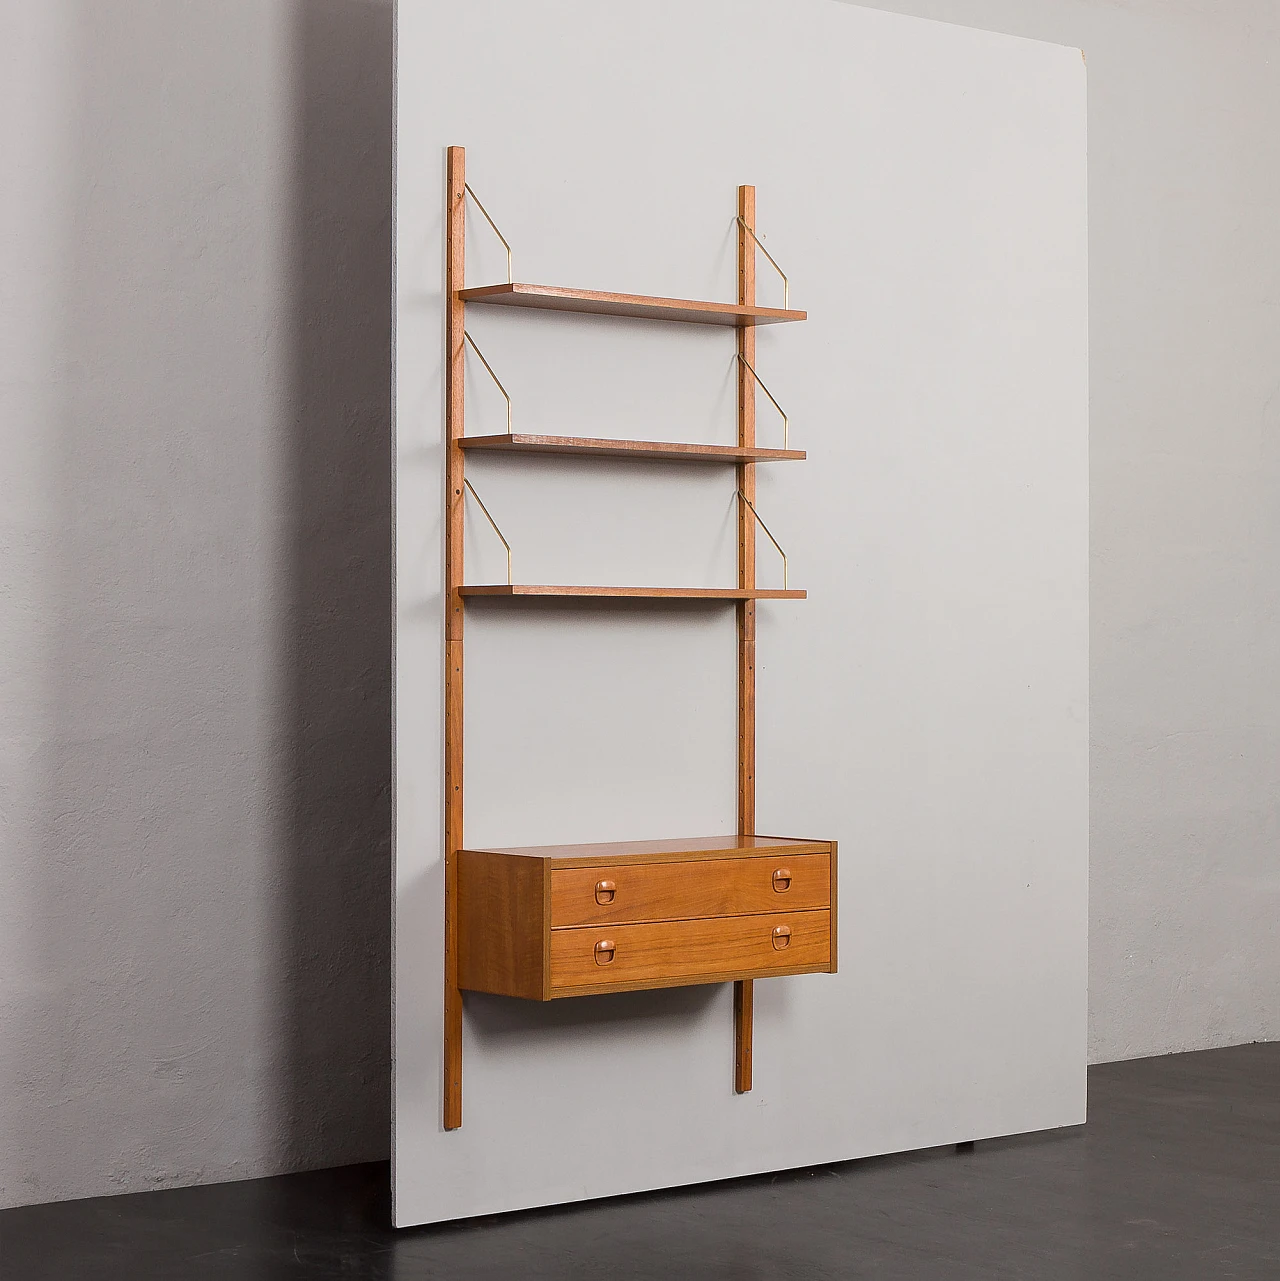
[{"x": 1177, "y": 1175}]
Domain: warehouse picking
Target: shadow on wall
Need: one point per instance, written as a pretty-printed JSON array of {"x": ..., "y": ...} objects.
[
  {"x": 207, "y": 983},
  {"x": 335, "y": 973}
]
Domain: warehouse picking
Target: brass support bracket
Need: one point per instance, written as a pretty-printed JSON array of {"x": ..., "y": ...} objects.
[
  {"x": 785, "y": 424},
  {"x": 786, "y": 284},
  {"x": 769, "y": 533},
  {"x": 500, "y": 534},
  {"x": 466, "y": 187},
  {"x": 498, "y": 382}
]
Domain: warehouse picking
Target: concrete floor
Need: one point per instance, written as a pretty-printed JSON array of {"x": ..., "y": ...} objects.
[{"x": 1177, "y": 1175}]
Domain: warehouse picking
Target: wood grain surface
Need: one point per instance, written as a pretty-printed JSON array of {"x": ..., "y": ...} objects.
[
  {"x": 632, "y": 593},
  {"x": 672, "y": 891},
  {"x": 637, "y": 306},
  {"x": 601, "y": 447},
  {"x": 455, "y": 427},
  {"x": 502, "y": 925},
  {"x": 683, "y": 849},
  {"x": 672, "y": 953},
  {"x": 743, "y": 996}
]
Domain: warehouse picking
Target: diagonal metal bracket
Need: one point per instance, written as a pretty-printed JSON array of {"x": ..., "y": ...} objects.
[
  {"x": 498, "y": 382},
  {"x": 786, "y": 284},
  {"x": 466, "y": 187},
  {"x": 499, "y": 532},
  {"x": 769, "y": 533},
  {"x": 785, "y": 424}
]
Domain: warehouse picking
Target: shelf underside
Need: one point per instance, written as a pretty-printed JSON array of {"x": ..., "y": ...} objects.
[
  {"x": 638, "y": 306},
  {"x": 633, "y": 593},
  {"x": 519, "y": 443}
]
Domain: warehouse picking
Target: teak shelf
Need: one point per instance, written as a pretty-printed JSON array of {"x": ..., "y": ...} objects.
[
  {"x": 633, "y": 593},
  {"x": 547, "y": 922},
  {"x": 675, "y": 451},
  {"x": 633, "y": 306}
]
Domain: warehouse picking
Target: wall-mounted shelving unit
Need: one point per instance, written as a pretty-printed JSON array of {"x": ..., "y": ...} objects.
[{"x": 548, "y": 922}]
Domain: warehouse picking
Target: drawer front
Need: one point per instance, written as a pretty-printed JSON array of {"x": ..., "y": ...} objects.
[
  {"x": 672, "y": 953},
  {"x": 679, "y": 891}
]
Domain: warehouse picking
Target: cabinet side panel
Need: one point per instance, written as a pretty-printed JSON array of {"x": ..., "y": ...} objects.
[
  {"x": 501, "y": 925},
  {"x": 835, "y": 906}
]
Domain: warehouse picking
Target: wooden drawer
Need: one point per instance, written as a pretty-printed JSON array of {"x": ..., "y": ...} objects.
[
  {"x": 677, "y": 953},
  {"x": 676, "y": 891}
]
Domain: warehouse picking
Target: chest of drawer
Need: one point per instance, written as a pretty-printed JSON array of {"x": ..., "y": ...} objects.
[
  {"x": 548, "y": 922},
  {"x": 682, "y": 891}
]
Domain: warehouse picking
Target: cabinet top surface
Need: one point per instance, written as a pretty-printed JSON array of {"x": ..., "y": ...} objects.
[{"x": 696, "y": 847}]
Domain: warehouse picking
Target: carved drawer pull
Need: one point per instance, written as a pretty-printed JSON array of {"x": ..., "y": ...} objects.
[
  {"x": 605, "y": 890},
  {"x": 781, "y": 936},
  {"x": 782, "y": 880},
  {"x": 605, "y": 950}
]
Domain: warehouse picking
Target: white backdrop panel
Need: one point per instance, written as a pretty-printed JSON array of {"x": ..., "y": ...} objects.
[{"x": 924, "y": 186}]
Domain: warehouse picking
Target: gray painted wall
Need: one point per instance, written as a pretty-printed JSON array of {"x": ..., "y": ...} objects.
[
  {"x": 194, "y": 591},
  {"x": 194, "y": 750},
  {"x": 1184, "y": 195}
]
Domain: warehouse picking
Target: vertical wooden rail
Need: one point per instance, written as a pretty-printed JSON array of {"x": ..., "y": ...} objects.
[
  {"x": 455, "y": 279},
  {"x": 743, "y": 991}
]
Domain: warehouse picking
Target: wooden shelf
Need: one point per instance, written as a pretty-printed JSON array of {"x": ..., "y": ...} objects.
[
  {"x": 591, "y": 446},
  {"x": 633, "y": 593},
  {"x": 638, "y": 306}
]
